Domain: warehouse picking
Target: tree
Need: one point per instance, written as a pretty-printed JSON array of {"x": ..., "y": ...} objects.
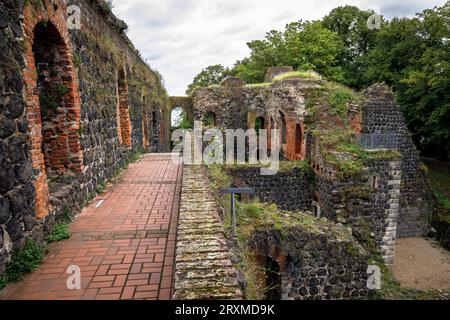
[
  {"x": 209, "y": 76},
  {"x": 303, "y": 45},
  {"x": 424, "y": 90},
  {"x": 350, "y": 24}
]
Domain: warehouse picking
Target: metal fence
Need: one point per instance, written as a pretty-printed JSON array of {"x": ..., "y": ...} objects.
[{"x": 376, "y": 141}]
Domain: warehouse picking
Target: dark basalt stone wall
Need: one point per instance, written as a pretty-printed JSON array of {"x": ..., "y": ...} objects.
[
  {"x": 383, "y": 115},
  {"x": 313, "y": 266},
  {"x": 290, "y": 189},
  {"x": 16, "y": 188},
  {"x": 100, "y": 49}
]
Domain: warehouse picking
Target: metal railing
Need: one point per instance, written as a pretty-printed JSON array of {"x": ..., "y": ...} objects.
[{"x": 377, "y": 141}]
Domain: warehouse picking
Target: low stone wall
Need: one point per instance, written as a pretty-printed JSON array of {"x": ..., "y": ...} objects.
[
  {"x": 203, "y": 269},
  {"x": 289, "y": 189},
  {"x": 313, "y": 265}
]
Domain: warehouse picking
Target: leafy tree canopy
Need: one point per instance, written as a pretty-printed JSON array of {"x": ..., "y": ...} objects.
[{"x": 412, "y": 55}]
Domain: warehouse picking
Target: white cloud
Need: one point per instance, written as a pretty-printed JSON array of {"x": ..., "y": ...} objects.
[{"x": 180, "y": 37}]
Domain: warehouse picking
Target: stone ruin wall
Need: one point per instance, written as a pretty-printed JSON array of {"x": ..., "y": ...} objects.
[
  {"x": 53, "y": 156},
  {"x": 312, "y": 266},
  {"x": 289, "y": 189},
  {"x": 398, "y": 204},
  {"x": 383, "y": 115},
  {"x": 239, "y": 107}
]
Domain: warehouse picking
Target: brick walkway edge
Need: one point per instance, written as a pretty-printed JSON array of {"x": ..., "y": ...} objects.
[{"x": 124, "y": 242}]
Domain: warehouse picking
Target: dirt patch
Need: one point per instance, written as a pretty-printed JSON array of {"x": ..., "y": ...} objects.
[{"x": 421, "y": 264}]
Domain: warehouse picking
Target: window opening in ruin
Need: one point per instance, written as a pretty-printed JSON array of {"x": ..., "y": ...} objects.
[
  {"x": 273, "y": 280},
  {"x": 209, "y": 120},
  {"x": 283, "y": 128},
  {"x": 176, "y": 117},
  {"x": 298, "y": 139},
  {"x": 259, "y": 124}
]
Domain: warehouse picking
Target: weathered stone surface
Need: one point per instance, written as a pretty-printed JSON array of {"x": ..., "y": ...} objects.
[
  {"x": 203, "y": 269},
  {"x": 51, "y": 161},
  {"x": 277, "y": 71},
  {"x": 232, "y": 82}
]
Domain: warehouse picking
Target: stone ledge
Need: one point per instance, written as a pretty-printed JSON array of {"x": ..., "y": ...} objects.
[{"x": 203, "y": 269}]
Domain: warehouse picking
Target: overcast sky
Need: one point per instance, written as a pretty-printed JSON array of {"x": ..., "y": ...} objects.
[{"x": 181, "y": 37}]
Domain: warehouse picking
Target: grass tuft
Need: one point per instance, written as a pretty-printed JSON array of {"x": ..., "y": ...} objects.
[{"x": 28, "y": 259}]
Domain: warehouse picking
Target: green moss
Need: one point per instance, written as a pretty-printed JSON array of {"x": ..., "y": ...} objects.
[
  {"x": 26, "y": 260},
  {"x": 259, "y": 85},
  {"x": 50, "y": 98},
  {"x": 356, "y": 192},
  {"x": 298, "y": 74},
  {"x": 339, "y": 103}
]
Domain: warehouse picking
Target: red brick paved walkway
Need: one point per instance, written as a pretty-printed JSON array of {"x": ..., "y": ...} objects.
[{"x": 125, "y": 247}]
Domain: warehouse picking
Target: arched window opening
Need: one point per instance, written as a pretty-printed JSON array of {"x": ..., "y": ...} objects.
[
  {"x": 273, "y": 280},
  {"x": 176, "y": 117},
  {"x": 124, "y": 121},
  {"x": 259, "y": 124},
  {"x": 60, "y": 110},
  {"x": 298, "y": 139},
  {"x": 209, "y": 120}
]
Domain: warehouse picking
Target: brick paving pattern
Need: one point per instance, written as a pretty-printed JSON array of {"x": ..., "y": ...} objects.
[
  {"x": 203, "y": 268},
  {"x": 125, "y": 245}
]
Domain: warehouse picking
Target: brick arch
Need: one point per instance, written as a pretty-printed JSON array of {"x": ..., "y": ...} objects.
[
  {"x": 124, "y": 128},
  {"x": 53, "y": 99}
]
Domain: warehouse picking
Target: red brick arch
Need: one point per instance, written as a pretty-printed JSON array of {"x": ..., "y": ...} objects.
[
  {"x": 57, "y": 151},
  {"x": 123, "y": 112}
]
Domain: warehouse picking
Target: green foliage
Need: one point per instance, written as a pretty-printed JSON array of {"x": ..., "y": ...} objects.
[
  {"x": 420, "y": 77},
  {"x": 101, "y": 188},
  {"x": 212, "y": 75},
  {"x": 411, "y": 55},
  {"x": 77, "y": 60},
  {"x": 24, "y": 261},
  {"x": 303, "y": 45},
  {"x": 339, "y": 104},
  {"x": 50, "y": 98},
  {"x": 439, "y": 178},
  {"x": 60, "y": 232}
]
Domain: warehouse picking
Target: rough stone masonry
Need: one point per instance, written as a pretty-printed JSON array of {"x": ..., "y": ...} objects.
[{"x": 75, "y": 104}]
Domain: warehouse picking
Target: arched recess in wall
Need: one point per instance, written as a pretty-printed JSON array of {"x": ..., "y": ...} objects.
[
  {"x": 209, "y": 119},
  {"x": 123, "y": 109},
  {"x": 53, "y": 109},
  {"x": 155, "y": 130},
  {"x": 283, "y": 130},
  {"x": 298, "y": 139},
  {"x": 273, "y": 279},
  {"x": 145, "y": 135}
]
